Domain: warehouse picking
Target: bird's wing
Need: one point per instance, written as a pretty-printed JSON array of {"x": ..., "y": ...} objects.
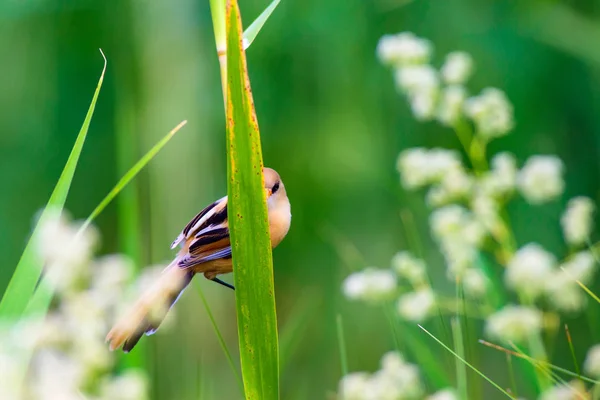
[
  {"x": 213, "y": 214},
  {"x": 208, "y": 245}
]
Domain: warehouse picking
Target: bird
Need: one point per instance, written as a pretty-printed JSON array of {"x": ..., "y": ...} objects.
[{"x": 204, "y": 249}]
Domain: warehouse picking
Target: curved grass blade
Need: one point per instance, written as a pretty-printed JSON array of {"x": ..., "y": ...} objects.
[
  {"x": 467, "y": 364},
  {"x": 28, "y": 270},
  {"x": 238, "y": 379},
  {"x": 255, "y": 27},
  {"x": 249, "y": 227},
  {"x": 39, "y": 303}
]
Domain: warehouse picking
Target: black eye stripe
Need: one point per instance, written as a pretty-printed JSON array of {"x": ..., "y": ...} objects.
[{"x": 275, "y": 188}]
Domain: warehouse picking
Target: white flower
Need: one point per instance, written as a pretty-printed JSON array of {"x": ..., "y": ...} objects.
[
  {"x": 421, "y": 84},
  {"x": 529, "y": 270},
  {"x": 131, "y": 385},
  {"x": 445, "y": 394},
  {"x": 562, "y": 289},
  {"x": 577, "y": 220},
  {"x": 416, "y": 306},
  {"x": 492, "y": 113},
  {"x": 457, "y": 68},
  {"x": 592, "y": 361},
  {"x": 392, "y": 361},
  {"x": 580, "y": 267},
  {"x": 502, "y": 178},
  {"x": 354, "y": 386},
  {"x": 451, "y": 103},
  {"x": 64, "y": 250},
  {"x": 418, "y": 78},
  {"x": 403, "y": 383},
  {"x": 564, "y": 294},
  {"x": 448, "y": 221},
  {"x": 422, "y": 104},
  {"x": 514, "y": 323},
  {"x": 485, "y": 209},
  {"x": 541, "y": 180},
  {"x": 574, "y": 390},
  {"x": 456, "y": 184},
  {"x": 409, "y": 267},
  {"x": 56, "y": 376},
  {"x": 474, "y": 282},
  {"x": 372, "y": 285},
  {"x": 420, "y": 167},
  {"x": 403, "y": 49}
]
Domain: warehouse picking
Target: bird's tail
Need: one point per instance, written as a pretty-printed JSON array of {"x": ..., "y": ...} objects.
[{"x": 151, "y": 308}]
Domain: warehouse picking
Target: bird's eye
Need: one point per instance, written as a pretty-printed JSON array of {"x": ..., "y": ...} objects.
[{"x": 275, "y": 188}]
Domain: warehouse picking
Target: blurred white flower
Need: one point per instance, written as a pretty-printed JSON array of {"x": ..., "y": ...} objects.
[
  {"x": 403, "y": 49},
  {"x": 111, "y": 272},
  {"x": 416, "y": 306},
  {"x": 456, "y": 223},
  {"x": 420, "y": 167},
  {"x": 501, "y": 179},
  {"x": 445, "y": 394},
  {"x": 450, "y": 108},
  {"x": 354, "y": 386},
  {"x": 410, "y": 268},
  {"x": 131, "y": 385},
  {"x": 64, "y": 250},
  {"x": 448, "y": 221},
  {"x": 563, "y": 291},
  {"x": 421, "y": 85},
  {"x": 457, "y": 68},
  {"x": 574, "y": 390},
  {"x": 455, "y": 185},
  {"x": 514, "y": 323},
  {"x": 417, "y": 78},
  {"x": 392, "y": 361},
  {"x": 529, "y": 270},
  {"x": 592, "y": 362},
  {"x": 541, "y": 179},
  {"x": 422, "y": 104},
  {"x": 492, "y": 113},
  {"x": 564, "y": 294},
  {"x": 577, "y": 220},
  {"x": 403, "y": 383},
  {"x": 372, "y": 285},
  {"x": 580, "y": 266},
  {"x": 485, "y": 209},
  {"x": 56, "y": 376},
  {"x": 474, "y": 282}
]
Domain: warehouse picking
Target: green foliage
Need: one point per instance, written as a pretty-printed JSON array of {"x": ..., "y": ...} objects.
[{"x": 249, "y": 227}]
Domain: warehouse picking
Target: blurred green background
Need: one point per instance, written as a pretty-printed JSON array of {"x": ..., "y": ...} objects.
[{"x": 331, "y": 123}]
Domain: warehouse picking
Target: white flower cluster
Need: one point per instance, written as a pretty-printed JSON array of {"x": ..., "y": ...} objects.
[
  {"x": 577, "y": 220},
  {"x": 574, "y": 390},
  {"x": 514, "y": 323},
  {"x": 416, "y": 306},
  {"x": 396, "y": 380},
  {"x": 371, "y": 285},
  {"x": 532, "y": 273},
  {"x": 540, "y": 180},
  {"x": 459, "y": 235},
  {"x": 442, "y": 94},
  {"x": 70, "y": 359}
]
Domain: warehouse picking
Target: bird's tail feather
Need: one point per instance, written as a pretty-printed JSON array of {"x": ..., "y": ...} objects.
[{"x": 149, "y": 311}]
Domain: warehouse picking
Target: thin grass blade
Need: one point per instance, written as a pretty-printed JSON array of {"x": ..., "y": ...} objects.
[
  {"x": 255, "y": 27},
  {"x": 249, "y": 227},
  {"x": 467, "y": 364},
  {"x": 28, "y": 270},
  {"x": 40, "y": 301}
]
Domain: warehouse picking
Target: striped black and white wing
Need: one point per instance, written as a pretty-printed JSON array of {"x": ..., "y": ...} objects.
[{"x": 207, "y": 235}]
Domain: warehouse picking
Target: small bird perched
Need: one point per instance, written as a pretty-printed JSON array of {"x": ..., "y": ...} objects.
[{"x": 206, "y": 249}]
